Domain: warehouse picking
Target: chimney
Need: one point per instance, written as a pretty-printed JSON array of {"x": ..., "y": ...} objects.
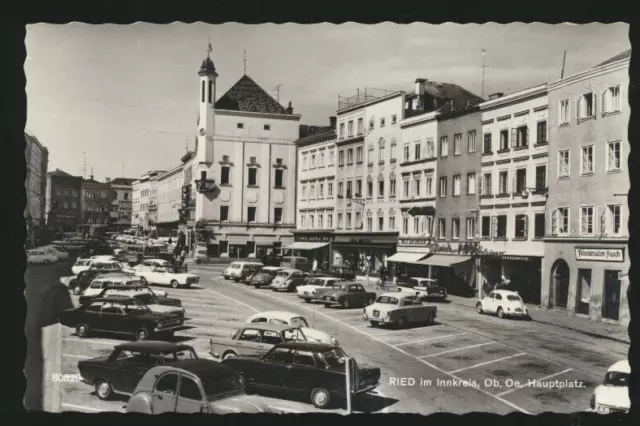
[
  {"x": 420, "y": 86},
  {"x": 107, "y": 180},
  {"x": 289, "y": 108},
  {"x": 496, "y": 95},
  {"x": 333, "y": 121}
]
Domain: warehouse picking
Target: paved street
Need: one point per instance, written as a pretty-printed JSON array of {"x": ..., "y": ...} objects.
[{"x": 461, "y": 346}]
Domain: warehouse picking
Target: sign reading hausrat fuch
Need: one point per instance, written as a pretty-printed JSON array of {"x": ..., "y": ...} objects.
[{"x": 600, "y": 254}]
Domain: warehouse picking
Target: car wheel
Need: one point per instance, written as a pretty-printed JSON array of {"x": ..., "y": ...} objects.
[
  {"x": 320, "y": 397},
  {"x": 174, "y": 284},
  {"x": 236, "y": 280},
  {"x": 374, "y": 324},
  {"x": 256, "y": 286},
  {"x": 82, "y": 330},
  {"x": 46, "y": 262},
  {"x": 141, "y": 334},
  {"x": 307, "y": 300},
  {"x": 479, "y": 307},
  {"x": 226, "y": 278},
  {"x": 327, "y": 305},
  {"x": 143, "y": 280},
  {"x": 345, "y": 303},
  {"x": 229, "y": 355},
  {"x": 77, "y": 291},
  {"x": 500, "y": 313},
  {"x": 402, "y": 322},
  {"x": 103, "y": 389}
]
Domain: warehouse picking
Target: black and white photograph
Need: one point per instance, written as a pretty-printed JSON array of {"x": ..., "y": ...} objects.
[{"x": 327, "y": 218}]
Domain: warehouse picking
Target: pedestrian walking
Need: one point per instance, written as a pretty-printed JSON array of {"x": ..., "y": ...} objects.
[{"x": 314, "y": 267}]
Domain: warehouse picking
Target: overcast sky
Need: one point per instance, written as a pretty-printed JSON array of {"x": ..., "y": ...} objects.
[{"x": 127, "y": 95}]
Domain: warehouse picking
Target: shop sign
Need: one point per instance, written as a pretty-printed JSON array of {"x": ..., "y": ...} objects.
[
  {"x": 364, "y": 241},
  {"x": 316, "y": 238},
  {"x": 516, "y": 258},
  {"x": 600, "y": 255},
  {"x": 469, "y": 249},
  {"x": 424, "y": 242}
]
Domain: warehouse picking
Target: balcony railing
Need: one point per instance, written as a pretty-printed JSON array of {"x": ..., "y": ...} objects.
[{"x": 205, "y": 185}]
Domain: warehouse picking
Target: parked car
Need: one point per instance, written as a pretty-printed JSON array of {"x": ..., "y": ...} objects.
[
  {"x": 254, "y": 340},
  {"x": 289, "y": 318},
  {"x": 315, "y": 287},
  {"x": 201, "y": 255},
  {"x": 120, "y": 372},
  {"x": 347, "y": 295},
  {"x": 425, "y": 288},
  {"x": 288, "y": 280},
  {"x": 239, "y": 271},
  {"x": 103, "y": 281},
  {"x": 399, "y": 308},
  {"x": 143, "y": 295},
  {"x": 612, "y": 396},
  {"x": 40, "y": 256},
  {"x": 342, "y": 272},
  {"x": 122, "y": 316},
  {"x": 301, "y": 368},
  {"x": 149, "y": 264},
  {"x": 193, "y": 386},
  {"x": 60, "y": 254},
  {"x": 264, "y": 276},
  {"x": 168, "y": 275},
  {"x": 79, "y": 283},
  {"x": 98, "y": 262},
  {"x": 503, "y": 303}
]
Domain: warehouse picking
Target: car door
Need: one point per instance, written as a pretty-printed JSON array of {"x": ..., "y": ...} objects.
[
  {"x": 268, "y": 374},
  {"x": 358, "y": 294},
  {"x": 248, "y": 342},
  {"x": 497, "y": 302},
  {"x": 300, "y": 375},
  {"x": 89, "y": 316},
  {"x": 112, "y": 317},
  {"x": 191, "y": 398},
  {"x": 165, "y": 393},
  {"x": 152, "y": 275},
  {"x": 487, "y": 302}
]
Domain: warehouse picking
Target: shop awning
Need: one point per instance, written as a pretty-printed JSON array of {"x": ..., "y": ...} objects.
[
  {"x": 444, "y": 260},
  {"x": 404, "y": 257},
  {"x": 299, "y": 245}
]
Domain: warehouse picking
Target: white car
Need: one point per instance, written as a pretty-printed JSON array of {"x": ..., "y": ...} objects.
[
  {"x": 504, "y": 303},
  {"x": 315, "y": 287},
  {"x": 612, "y": 396},
  {"x": 289, "y": 318},
  {"x": 149, "y": 264},
  {"x": 240, "y": 270},
  {"x": 40, "y": 256},
  {"x": 146, "y": 296},
  {"x": 101, "y": 262},
  {"x": 60, "y": 254},
  {"x": 102, "y": 281},
  {"x": 168, "y": 275}
]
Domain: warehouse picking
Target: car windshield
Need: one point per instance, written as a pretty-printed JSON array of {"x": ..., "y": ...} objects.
[
  {"x": 146, "y": 299},
  {"x": 136, "y": 305},
  {"x": 283, "y": 274},
  {"x": 217, "y": 386},
  {"x": 427, "y": 283},
  {"x": 514, "y": 298},
  {"x": 335, "y": 357},
  {"x": 267, "y": 271},
  {"x": 299, "y": 322},
  {"x": 170, "y": 357},
  {"x": 96, "y": 284},
  {"x": 616, "y": 378},
  {"x": 339, "y": 288},
  {"x": 387, "y": 300},
  {"x": 234, "y": 266}
]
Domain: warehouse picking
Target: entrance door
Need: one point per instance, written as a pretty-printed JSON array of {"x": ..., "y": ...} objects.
[
  {"x": 611, "y": 295},
  {"x": 560, "y": 275}
]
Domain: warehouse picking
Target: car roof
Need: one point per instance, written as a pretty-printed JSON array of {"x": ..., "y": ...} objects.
[
  {"x": 397, "y": 295},
  {"x": 306, "y": 346},
  {"x": 289, "y": 270},
  {"x": 276, "y": 315},
  {"x": 118, "y": 275},
  {"x": 620, "y": 366},
  {"x": 152, "y": 346},
  {"x": 506, "y": 292},
  {"x": 269, "y": 326},
  {"x": 111, "y": 299},
  {"x": 422, "y": 279},
  {"x": 272, "y": 268}
]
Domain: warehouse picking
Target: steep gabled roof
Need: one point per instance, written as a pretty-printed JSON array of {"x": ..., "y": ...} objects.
[
  {"x": 322, "y": 133},
  {"x": 246, "y": 95},
  {"x": 618, "y": 57},
  {"x": 449, "y": 91},
  {"x": 58, "y": 172}
]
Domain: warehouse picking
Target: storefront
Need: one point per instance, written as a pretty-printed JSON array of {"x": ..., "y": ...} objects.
[
  {"x": 311, "y": 245},
  {"x": 358, "y": 248},
  {"x": 511, "y": 272},
  {"x": 452, "y": 269},
  {"x": 167, "y": 229},
  {"x": 587, "y": 279},
  {"x": 405, "y": 262}
]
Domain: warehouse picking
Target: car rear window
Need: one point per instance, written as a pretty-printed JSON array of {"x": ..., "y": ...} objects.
[
  {"x": 234, "y": 265},
  {"x": 514, "y": 298},
  {"x": 387, "y": 300}
]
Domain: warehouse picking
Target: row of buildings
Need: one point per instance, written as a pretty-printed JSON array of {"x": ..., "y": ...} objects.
[
  {"x": 527, "y": 188},
  {"x": 37, "y": 162}
]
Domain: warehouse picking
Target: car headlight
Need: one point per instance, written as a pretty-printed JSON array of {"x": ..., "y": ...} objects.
[{"x": 603, "y": 410}]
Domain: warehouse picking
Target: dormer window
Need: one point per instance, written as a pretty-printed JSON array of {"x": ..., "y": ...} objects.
[
  {"x": 382, "y": 122},
  {"x": 225, "y": 158},
  {"x": 278, "y": 160},
  {"x": 240, "y": 125},
  {"x": 252, "y": 159}
]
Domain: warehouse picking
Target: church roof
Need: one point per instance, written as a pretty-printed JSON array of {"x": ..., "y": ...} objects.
[
  {"x": 246, "y": 95},
  {"x": 618, "y": 57}
]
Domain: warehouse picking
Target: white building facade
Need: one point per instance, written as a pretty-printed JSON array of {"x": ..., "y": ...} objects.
[
  {"x": 168, "y": 195},
  {"x": 144, "y": 202}
]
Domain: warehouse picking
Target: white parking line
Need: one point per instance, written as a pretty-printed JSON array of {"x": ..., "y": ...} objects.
[
  {"x": 83, "y": 407},
  {"x": 428, "y": 339},
  {"x": 488, "y": 362},
  {"x": 93, "y": 341},
  {"x": 75, "y": 356},
  {"x": 234, "y": 300},
  {"x": 288, "y": 410},
  {"x": 538, "y": 380},
  {"x": 487, "y": 393},
  {"x": 458, "y": 349},
  {"x": 350, "y": 318}
]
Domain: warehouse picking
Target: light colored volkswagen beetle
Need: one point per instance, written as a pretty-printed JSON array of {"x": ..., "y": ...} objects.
[{"x": 296, "y": 320}]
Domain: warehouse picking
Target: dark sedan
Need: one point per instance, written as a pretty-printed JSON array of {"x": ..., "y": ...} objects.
[
  {"x": 121, "y": 371},
  {"x": 315, "y": 370},
  {"x": 342, "y": 272}
]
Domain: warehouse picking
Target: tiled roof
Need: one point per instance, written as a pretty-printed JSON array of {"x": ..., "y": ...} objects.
[
  {"x": 246, "y": 95},
  {"x": 446, "y": 91},
  {"x": 457, "y": 105},
  {"x": 122, "y": 181},
  {"x": 618, "y": 57},
  {"x": 58, "y": 172},
  {"x": 321, "y": 133}
]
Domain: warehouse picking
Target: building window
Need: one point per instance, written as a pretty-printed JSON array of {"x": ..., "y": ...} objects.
[
  {"x": 320, "y": 221},
  {"x": 341, "y": 131},
  {"x": 66, "y": 205},
  {"x": 340, "y": 224},
  {"x": 340, "y": 189},
  {"x": 583, "y": 291},
  {"x": 407, "y": 153},
  {"x": 429, "y": 149},
  {"x": 329, "y": 189},
  {"x": 203, "y": 91},
  {"x": 341, "y": 158},
  {"x": 586, "y": 220},
  {"x": 312, "y": 191},
  {"x": 370, "y": 155},
  {"x": 369, "y": 189},
  {"x": 304, "y": 191},
  {"x": 348, "y": 220},
  {"x": 392, "y": 223},
  {"x": 359, "y": 188},
  {"x": 224, "y": 175},
  {"x": 486, "y": 146},
  {"x": 521, "y": 181},
  {"x": 311, "y": 222},
  {"x": 382, "y": 122},
  {"x": 380, "y": 188},
  {"x": 471, "y": 183},
  {"x": 360, "y": 126},
  {"x": 359, "y": 153},
  {"x": 486, "y": 227},
  {"x": 416, "y": 226},
  {"x": 564, "y": 111},
  {"x": 332, "y": 159},
  {"x": 521, "y": 137},
  {"x": 586, "y": 106},
  {"x": 381, "y": 223},
  {"x": 541, "y": 177},
  {"x": 563, "y": 163},
  {"x": 611, "y": 100},
  {"x": 371, "y": 124},
  {"x": 560, "y": 221},
  {"x": 224, "y": 213},
  {"x": 392, "y": 187},
  {"x": 251, "y": 214},
  {"x": 320, "y": 190},
  {"x": 471, "y": 141},
  {"x": 613, "y": 156},
  {"x": 443, "y": 186},
  {"x": 503, "y": 183},
  {"x": 486, "y": 184},
  {"x": 329, "y": 220},
  {"x": 405, "y": 191},
  {"x": 267, "y": 127},
  {"x": 611, "y": 220},
  {"x": 304, "y": 162},
  {"x": 471, "y": 228},
  {"x": 278, "y": 178},
  {"x": 405, "y": 225},
  {"x": 416, "y": 186},
  {"x": 444, "y": 146},
  {"x": 417, "y": 150},
  {"x": 539, "y": 226},
  {"x": 394, "y": 119},
  {"x": 504, "y": 140},
  {"x": 313, "y": 161},
  {"x": 456, "y": 185},
  {"x": 240, "y": 125},
  {"x": 393, "y": 152},
  {"x": 521, "y": 226},
  {"x": 501, "y": 226},
  {"x": 253, "y": 176},
  {"x": 369, "y": 224},
  {"x": 442, "y": 228},
  {"x": 429, "y": 186},
  {"x": 380, "y": 153},
  {"x": 455, "y": 228},
  {"x": 457, "y": 144},
  {"x": 349, "y": 187},
  {"x": 586, "y": 160},
  {"x": 350, "y": 128},
  {"x": 541, "y": 132},
  {"x": 350, "y": 156}
]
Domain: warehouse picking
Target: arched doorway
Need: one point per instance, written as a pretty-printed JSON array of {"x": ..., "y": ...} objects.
[{"x": 559, "y": 291}]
